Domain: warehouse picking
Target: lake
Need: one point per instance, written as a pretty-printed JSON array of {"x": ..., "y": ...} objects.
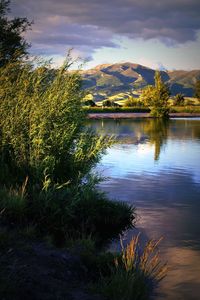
[{"x": 155, "y": 166}]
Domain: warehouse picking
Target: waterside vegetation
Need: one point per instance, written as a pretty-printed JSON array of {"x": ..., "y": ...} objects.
[
  {"x": 49, "y": 194},
  {"x": 48, "y": 190}
]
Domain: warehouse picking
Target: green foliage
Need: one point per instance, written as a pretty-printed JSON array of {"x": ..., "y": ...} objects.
[
  {"x": 107, "y": 80},
  {"x": 156, "y": 97},
  {"x": 179, "y": 100},
  {"x": 12, "y": 42},
  {"x": 90, "y": 103},
  {"x": 116, "y": 109},
  {"x": 197, "y": 90},
  {"x": 107, "y": 103},
  {"x": 47, "y": 154},
  {"x": 66, "y": 213},
  {"x": 42, "y": 126},
  {"x": 13, "y": 204},
  {"x": 185, "y": 109},
  {"x": 102, "y": 218},
  {"x": 133, "y": 102}
]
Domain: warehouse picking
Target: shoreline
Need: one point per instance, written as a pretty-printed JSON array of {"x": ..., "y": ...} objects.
[{"x": 121, "y": 115}]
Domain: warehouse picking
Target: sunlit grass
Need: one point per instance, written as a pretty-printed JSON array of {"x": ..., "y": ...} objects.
[{"x": 135, "y": 273}]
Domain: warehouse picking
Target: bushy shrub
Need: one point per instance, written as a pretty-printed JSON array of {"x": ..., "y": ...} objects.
[
  {"x": 90, "y": 103},
  {"x": 179, "y": 100},
  {"x": 107, "y": 103},
  {"x": 47, "y": 154},
  {"x": 42, "y": 126}
]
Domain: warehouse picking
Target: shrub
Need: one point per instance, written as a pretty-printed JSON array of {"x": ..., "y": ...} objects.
[
  {"x": 45, "y": 144},
  {"x": 42, "y": 126},
  {"x": 130, "y": 102},
  {"x": 107, "y": 103},
  {"x": 179, "y": 99},
  {"x": 90, "y": 103}
]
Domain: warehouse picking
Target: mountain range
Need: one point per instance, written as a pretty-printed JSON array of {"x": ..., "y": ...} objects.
[{"x": 110, "y": 79}]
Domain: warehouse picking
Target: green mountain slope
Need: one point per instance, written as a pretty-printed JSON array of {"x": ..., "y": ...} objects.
[{"x": 111, "y": 79}]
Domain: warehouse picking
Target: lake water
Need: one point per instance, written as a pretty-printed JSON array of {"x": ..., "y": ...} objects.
[{"x": 155, "y": 166}]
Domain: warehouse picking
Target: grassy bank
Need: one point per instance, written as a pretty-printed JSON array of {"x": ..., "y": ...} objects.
[
  {"x": 173, "y": 109},
  {"x": 185, "y": 109},
  {"x": 34, "y": 268},
  {"x": 116, "y": 109},
  {"x": 49, "y": 194}
]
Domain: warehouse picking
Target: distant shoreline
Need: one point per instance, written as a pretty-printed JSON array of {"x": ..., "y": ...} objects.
[{"x": 124, "y": 115}]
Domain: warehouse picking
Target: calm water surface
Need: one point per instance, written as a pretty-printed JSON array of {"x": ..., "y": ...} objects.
[{"x": 155, "y": 166}]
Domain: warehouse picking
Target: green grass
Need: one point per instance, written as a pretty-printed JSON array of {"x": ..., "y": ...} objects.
[
  {"x": 117, "y": 109},
  {"x": 64, "y": 214},
  {"x": 173, "y": 109},
  {"x": 185, "y": 109}
]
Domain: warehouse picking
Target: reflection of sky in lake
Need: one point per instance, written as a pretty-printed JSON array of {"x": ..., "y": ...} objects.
[
  {"x": 165, "y": 191},
  {"x": 182, "y": 156}
]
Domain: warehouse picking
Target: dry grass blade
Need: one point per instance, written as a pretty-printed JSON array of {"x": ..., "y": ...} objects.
[{"x": 146, "y": 260}]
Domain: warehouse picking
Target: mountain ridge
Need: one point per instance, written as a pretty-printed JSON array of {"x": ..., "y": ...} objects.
[{"x": 114, "y": 78}]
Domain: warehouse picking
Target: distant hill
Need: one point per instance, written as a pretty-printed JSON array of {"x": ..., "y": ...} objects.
[{"x": 110, "y": 79}]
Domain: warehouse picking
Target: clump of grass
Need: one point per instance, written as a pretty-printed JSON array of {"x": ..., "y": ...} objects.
[
  {"x": 13, "y": 203},
  {"x": 135, "y": 273},
  {"x": 147, "y": 261}
]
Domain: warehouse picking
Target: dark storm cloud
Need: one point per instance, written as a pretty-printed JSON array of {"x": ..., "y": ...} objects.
[{"x": 93, "y": 23}]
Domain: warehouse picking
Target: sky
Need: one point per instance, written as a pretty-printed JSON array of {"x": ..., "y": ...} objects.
[{"x": 162, "y": 34}]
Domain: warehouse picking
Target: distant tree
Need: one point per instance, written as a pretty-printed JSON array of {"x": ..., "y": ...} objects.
[
  {"x": 197, "y": 90},
  {"x": 107, "y": 103},
  {"x": 156, "y": 97},
  {"x": 12, "y": 42},
  {"x": 133, "y": 102},
  {"x": 179, "y": 99},
  {"x": 90, "y": 103}
]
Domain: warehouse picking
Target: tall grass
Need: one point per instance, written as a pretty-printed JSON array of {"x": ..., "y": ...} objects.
[
  {"x": 41, "y": 126},
  {"x": 136, "y": 272},
  {"x": 146, "y": 261}
]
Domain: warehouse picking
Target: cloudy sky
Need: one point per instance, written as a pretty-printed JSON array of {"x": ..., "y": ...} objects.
[{"x": 156, "y": 33}]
